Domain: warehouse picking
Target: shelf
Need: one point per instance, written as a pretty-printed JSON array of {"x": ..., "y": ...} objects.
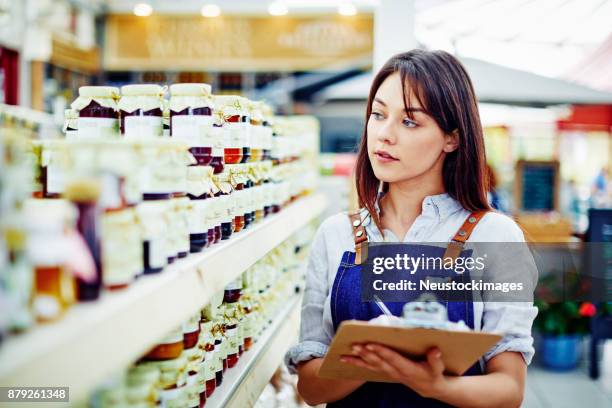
[
  {"x": 243, "y": 384},
  {"x": 94, "y": 341}
]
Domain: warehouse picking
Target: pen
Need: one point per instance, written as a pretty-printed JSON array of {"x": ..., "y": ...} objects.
[{"x": 382, "y": 306}]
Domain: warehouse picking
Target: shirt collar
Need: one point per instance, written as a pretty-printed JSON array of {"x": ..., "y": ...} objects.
[{"x": 439, "y": 206}]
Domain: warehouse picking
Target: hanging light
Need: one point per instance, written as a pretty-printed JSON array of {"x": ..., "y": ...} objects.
[
  {"x": 143, "y": 9},
  {"x": 277, "y": 8},
  {"x": 211, "y": 10},
  {"x": 347, "y": 9}
]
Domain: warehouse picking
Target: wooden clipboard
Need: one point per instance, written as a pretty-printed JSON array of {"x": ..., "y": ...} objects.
[{"x": 460, "y": 350}]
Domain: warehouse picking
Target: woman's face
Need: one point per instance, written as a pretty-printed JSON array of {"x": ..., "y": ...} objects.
[{"x": 401, "y": 148}]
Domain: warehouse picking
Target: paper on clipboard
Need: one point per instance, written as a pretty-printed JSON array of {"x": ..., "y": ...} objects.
[{"x": 460, "y": 349}]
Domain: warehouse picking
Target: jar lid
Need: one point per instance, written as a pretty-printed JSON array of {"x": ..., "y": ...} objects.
[
  {"x": 142, "y": 90},
  {"x": 99, "y": 91},
  {"x": 235, "y": 101},
  {"x": 190, "y": 90}
]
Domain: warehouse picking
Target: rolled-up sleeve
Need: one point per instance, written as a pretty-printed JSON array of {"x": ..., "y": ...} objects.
[
  {"x": 512, "y": 320},
  {"x": 315, "y": 336},
  {"x": 510, "y": 314}
]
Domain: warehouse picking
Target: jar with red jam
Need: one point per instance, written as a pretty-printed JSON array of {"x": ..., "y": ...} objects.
[
  {"x": 191, "y": 118},
  {"x": 225, "y": 203},
  {"x": 199, "y": 192},
  {"x": 98, "y": 115},
  {"x": 141, "y": 111},
  {"x": 238, "y": 183},
  {"x": 191, "y": 332},
  {"x": 233, "y": 291},
  {"x": 235, "y": 126}
]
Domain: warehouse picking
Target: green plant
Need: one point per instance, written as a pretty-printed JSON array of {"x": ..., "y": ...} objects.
[{"x": 564, "y": 318}]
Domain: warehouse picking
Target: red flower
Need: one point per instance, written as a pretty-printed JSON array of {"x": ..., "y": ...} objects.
[{"x": 587, "y": 309}]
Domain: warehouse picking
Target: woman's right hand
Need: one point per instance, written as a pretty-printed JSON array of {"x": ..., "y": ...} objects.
[{"x": 316, "y": 390}]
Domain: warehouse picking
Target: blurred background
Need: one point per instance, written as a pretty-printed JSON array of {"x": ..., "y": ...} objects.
[{"x": 542, "y": 71}]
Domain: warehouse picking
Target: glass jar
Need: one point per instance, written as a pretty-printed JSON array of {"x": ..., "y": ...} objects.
[
  {"x": 150, "y": 216},
  {"x": 223, "y": 181},
  {"x": 170, "y": 347},
  {"x": 231, "y": 333},
  {"x": 97, "y": 107},
  {"x": 237, "y": 180},
  {"x": 248, "y": 323},
  {"x": 193, "y": 391},
  {"x": 220, "y": 349},
  {"x": 258, "y": 191},
  {"x": 84, "y": 194},
  {"x": 191, "y": 332},
  {"x": 252, "y": 180},
  {"x": 191, "y": 117},
  {"x": 181, "y": 226},
  {"x": 142, "y": 383},
  {"x": 208, "y": 366},
  {"x": 199, "y": 191},
  {"x": 236, "y": 127},
  {"x": 173, "y": 380},
  {"x": 122, "y": 251},
  {"x": 54, "y": 286},
  {"x": 154, "y": 160},
  {"x": 256, "y": 121},
  {"x": 71, "y": 123},
  {"x": 53, "y": 168},
  {"x": 141, "y": 111},
  {"x": 233, "y": 291},
  {"x": 267, "y": 131}
]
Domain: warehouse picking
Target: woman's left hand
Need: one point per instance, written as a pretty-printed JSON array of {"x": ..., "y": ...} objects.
[{"x": 426, "y": 377}]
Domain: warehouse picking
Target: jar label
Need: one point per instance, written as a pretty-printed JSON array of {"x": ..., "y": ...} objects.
[
  {"x": 232, "y": 337},
  {"x": 56, "y": 179},
  {"x": 210, "y": 365},
  {"x": 195, "y": 130},
  {"x": 140, "y": 127},
  {"x": 197, "y": 217},
  {"x": 157, "y": 252},
  {"x": 72, "y": 134},
  {"x": 94, "y": 128},
  {"x": 235, "y": 135}
]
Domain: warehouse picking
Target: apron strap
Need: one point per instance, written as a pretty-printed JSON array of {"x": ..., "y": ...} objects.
[
  {"x": 455, "y": 247},
  {"x": 360, "y": 236}
]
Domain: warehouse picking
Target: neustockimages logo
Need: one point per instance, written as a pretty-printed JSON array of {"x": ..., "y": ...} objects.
[{"x": 411, "y": 264}]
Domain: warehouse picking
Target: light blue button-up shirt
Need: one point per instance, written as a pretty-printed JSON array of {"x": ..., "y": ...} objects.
[{"x": 440, "y": 219}]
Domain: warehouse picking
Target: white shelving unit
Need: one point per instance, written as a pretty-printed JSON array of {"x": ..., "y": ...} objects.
[
  {"x": 93, "y": 341},
  {"x": 243, "y": 384}
]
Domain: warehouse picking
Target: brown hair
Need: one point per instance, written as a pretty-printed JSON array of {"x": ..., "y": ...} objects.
[{"x": 444, "y": 90}]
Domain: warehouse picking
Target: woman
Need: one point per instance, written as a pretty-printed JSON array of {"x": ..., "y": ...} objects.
[{"x": 420, "y": 178}]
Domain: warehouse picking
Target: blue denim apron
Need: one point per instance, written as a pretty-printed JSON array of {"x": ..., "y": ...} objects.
[{"x": 346, "y": 305}]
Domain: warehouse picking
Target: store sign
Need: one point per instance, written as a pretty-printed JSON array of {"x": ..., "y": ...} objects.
[{"x": 237, "y": 43}]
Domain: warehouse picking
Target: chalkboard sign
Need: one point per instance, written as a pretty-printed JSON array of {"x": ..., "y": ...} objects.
[{"x": 537, "y": 186}]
